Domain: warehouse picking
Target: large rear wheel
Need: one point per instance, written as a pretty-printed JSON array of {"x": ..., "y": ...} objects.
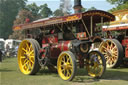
[
  {"x": 95, "y": 64},
  {"x": 27, "y": 57},
  {"x": 66, "y": 65},
  {"x": 112, "y": 51}
]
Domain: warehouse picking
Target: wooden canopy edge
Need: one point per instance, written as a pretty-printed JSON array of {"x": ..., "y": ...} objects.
[
  {"x": 100, "y": 13},
  {"x": 58, "y": 20}
]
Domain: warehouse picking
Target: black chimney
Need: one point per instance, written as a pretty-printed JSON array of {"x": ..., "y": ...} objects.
[{"x": 77, "y": 6}]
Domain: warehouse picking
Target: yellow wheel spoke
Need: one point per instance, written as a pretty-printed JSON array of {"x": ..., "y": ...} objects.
[
  {"x": 68, "y": 74},
  {"x": 32, "y": 61},
  {"x": 24, "y": 50},
  {"x": 22, "y": 57},
  {"x": 28, "y": 48},
  {"x": 63, "y": 70},
  {"x": 31, "y": 46},
  {"x": 62, "y": 66},
  {"x": 70, "y": 67},
  {"x": 31, "y": 52},
  {"x": 25, "y": 64},
  {"x": 25, "y": 60},
  {"x": 29, "y": 65},
  {"x": 31, "y": 56},
  {"x": 104, "y": 47},
  {"x": 63, "y": 59},
  {"x": 67, "y": 58}
]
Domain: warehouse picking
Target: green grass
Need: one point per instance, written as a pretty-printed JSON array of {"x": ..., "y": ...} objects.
[{"x": 11, "y": 75}]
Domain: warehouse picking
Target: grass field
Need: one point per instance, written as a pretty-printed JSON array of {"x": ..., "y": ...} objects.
[{"x": 11, "y": 75}]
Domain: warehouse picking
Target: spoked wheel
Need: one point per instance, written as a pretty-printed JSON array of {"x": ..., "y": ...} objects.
[
  {"x": 66, "y": 65},
  {"x": 95, "y": 64},
  {"x": 112, "y": 51},
  {"x": 27, "y": 57}
]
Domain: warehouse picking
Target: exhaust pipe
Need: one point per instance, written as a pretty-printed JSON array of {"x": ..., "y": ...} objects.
[{"x": 77, "y": 6}]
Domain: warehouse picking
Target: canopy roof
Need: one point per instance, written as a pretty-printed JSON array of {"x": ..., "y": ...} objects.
[
  {"x": 97, "y": 14},
  {"x": 120, "y": 23}
]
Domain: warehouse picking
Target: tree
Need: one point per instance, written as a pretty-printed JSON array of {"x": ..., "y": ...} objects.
[
  {"x": 34, "y": 9},
  {"x": 21, "y": 19},
  {"x": 22, "y": 16},
  {"x": 45, "y": 11},
  {"x": 92, "y": 8},
  {"x": 83, "y": 9},
  {"x": 120, "y": 4},
  {"x": 8, "y": 13},
  {"x": 58, "y": 12},
  {"x": 31, "y": 12}
]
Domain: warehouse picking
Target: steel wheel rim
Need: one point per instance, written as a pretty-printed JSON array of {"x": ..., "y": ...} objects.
[
  {"x": 26, "y": 57},
  {"x": 110, "y": 52},
  {"x": 95, "y": 66},
  {"x": 65, "y": 66}
]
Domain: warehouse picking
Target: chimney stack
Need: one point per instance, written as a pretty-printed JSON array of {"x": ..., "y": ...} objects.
[{"x": 77, "y": 6}]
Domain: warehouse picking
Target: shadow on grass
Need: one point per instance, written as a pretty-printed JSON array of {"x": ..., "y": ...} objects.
[
  {"x": 116, "y": 74},
  {"x": 5, "y": 70},
  {"x": 82, "y": 76},
  {"x": 47, "y": 72},
  {"x": 110, "y": 74}
]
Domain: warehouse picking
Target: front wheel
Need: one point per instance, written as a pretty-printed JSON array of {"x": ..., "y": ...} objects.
[
  {"x": 66, "y": 65},
  {"x": 27, "y": 57},
  {"x": 95, "y": 64}
]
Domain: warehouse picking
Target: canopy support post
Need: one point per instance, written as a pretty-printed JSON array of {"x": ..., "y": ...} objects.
[
  {"x": 60, "y": 27},
  {"x": 91, "y": 25},
  {"x": 85, "y": 27},
  {"x": 102, "y": 20}
]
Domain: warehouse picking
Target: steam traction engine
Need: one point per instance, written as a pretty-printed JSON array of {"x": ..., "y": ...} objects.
[
  {"x": 63, "y": 42},
  {"x": 115, "y": 46}
]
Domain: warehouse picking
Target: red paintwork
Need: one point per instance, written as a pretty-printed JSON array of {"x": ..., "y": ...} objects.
[
  {"x": 115, "y": 28},
  {"x": 65, "y": 45},
  {"x": 125, "y": 43},
  {"x": 56, "y": 49},
  {"x": 50, "y": 39},
  {"x": 126, "y": 51}
]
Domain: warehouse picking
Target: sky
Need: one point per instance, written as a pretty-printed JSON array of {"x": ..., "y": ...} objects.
[{"x": 54, "y": 4}]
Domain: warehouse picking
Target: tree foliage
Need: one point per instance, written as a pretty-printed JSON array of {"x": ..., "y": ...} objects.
[
  {"x": 45, "y": 11},
  {"x": 21, "y": 19},
  {"x": 117, "y": 2},
  {"x": 58, "y": 12},
  {"x": 8, "y": 13},
  {"x": 22, "y": 16},
  {"x": 92, "y": 8},
  {"x": 31, "y": 12},
  {"x": 34, "y": 9},
  {"x": 83, "y": 9},
  {"x": 120, "y": 5}
]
